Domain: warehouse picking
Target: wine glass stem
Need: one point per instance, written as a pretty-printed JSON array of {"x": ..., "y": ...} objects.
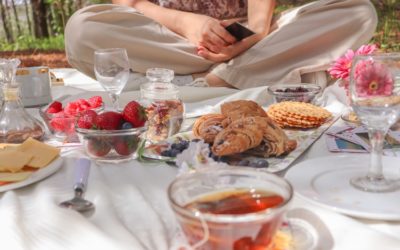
[
  {"x": 376, "y": 138},
  {"x": 114, "y": 98}
]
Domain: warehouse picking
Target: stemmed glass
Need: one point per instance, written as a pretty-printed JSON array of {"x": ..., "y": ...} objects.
[
  {"x": 111, "y": 67},
  {"x": 375, "y": 96}
]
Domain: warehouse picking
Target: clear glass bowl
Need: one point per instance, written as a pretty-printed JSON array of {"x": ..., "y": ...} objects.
[
  {"x": 294, "y": 92},
  {"x": 224, "y": 230},
  {"x": 110, "y": 145},
  {"x": 61, "y": 125}
]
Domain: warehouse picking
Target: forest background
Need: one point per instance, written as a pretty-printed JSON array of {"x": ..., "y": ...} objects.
[{"x": 33, "y": 30}]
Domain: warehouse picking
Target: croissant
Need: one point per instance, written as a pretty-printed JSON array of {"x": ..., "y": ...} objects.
[
  {"x": 238, "y": 137},
  {"x": 238, "y": 109},
  {"x": 208, "y": 126},
  {"x": 275, "y": 142}
]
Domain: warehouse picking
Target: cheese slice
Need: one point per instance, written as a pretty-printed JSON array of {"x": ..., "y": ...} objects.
[
  {"x": 14, "y": 177},
  {"x": 7, "y": 145},
  {"x": 42, "y": 153},
  {"x": 13, "y": 160}
]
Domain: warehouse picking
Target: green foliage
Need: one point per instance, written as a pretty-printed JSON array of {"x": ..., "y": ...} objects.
[{"x": 31, "y": 43}]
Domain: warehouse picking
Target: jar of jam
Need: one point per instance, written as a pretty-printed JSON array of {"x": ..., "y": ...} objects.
[{"x": 164, "y": 109}]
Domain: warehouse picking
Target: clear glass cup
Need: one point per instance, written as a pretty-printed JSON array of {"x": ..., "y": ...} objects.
[
  {"x": 164, "y": 109},
  {"x": 206, "y": 208},
  {"x": 375, "y": 97},
  {"x": 111, "y": 67}
]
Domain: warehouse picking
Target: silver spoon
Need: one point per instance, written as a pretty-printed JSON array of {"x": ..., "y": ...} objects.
[{"x": 78, "y": 203}]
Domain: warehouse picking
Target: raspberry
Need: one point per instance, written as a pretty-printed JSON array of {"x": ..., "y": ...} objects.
[
  {"x": 83, "y": 104},
  {"x": 71, "y": 108},
  {"x": 95, "y": 101},
  {"x": 58, "y": 124},
  {"x": 54, "y": 107}
]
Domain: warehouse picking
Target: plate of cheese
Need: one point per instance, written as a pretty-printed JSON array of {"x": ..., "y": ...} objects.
[{"x": 27, "y": 163}]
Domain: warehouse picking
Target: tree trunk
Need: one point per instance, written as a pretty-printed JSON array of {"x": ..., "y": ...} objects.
[
  {"x": 16, "y": 18},
  {"x": 28, "y": 17},
  {"x": 63, "y": 13},
  {"x": 6, "y": 23},
  {"x": 40, "y": 18},
  {"x": 78, "y": 4},
  {"x": 50, "y": 21}
]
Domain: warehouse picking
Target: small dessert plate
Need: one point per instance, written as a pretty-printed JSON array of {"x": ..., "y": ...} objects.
[{"x": 325, "y": 181}]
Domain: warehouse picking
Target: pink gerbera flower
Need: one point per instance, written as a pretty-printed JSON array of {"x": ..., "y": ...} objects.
[
  {"x": 373, "y": 79},
  {"x": 341, "y": 67},
  {"x": 366, "y": 49}
]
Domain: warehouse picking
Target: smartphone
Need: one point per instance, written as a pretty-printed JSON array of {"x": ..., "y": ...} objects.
[{"x": 239, "y": 31}]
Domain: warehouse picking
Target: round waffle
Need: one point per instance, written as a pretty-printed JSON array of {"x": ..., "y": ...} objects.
[{"x": 298, "y": 114}]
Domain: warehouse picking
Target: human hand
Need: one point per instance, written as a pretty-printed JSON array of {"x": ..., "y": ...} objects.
[{"x": 207, "y": 32}]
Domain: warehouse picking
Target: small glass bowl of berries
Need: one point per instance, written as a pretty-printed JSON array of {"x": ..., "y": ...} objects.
[
  {"x": 60, "y": 120},
  {"x": 112, "y": 136},
  {"x": 302, "y": 92}
]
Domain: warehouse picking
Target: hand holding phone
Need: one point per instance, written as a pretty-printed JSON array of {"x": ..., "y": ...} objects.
[{"x": 239, "y": 31}]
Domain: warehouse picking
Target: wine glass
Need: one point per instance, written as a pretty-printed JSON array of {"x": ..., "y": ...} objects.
[
  {"x": 375, "y": 97},
  {"x": 111, "y": 67}
]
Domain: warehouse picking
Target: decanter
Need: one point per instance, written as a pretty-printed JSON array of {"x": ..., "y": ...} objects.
[{"x": 16, "y": 124}]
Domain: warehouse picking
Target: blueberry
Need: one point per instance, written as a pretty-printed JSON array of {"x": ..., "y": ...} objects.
[
  {"x": 166, "y": 153},
  {"x": 243, "y": 162},
  {"x": 185, "y": 144},
  {"x": 126, "y": 125},
  {"x": 223, "y": 159},
  {"x": 259, "y": 163},
  {"x": 213, "y": 156},
  {"x": 174, "y": 152},
  {"x": 180, "y": 146}
]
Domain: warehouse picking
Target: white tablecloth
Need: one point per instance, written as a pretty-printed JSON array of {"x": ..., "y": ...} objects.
[{"x": 132, "y": 211}]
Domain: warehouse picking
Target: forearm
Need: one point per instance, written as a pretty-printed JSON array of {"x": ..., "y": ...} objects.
[
  {"x": 260, "y": 14},
  {"x": 172, "y": 19}
]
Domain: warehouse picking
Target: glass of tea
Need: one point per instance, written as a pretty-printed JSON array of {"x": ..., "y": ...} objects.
[{"x": 230, "y": 208}]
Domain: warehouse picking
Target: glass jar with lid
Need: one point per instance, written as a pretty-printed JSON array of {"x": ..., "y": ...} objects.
[
  {"x": 16, "y": 124},
  {"x": 164, "y": 109}
]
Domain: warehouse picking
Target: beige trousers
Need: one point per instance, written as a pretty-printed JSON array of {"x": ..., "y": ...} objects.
[{"x": 303, "y": 40}]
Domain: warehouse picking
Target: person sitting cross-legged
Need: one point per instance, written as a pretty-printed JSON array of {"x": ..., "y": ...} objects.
[{"x": 189, "y": 37}]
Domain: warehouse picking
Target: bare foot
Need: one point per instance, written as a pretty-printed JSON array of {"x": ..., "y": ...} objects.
[{"x": 215, "y": 81}]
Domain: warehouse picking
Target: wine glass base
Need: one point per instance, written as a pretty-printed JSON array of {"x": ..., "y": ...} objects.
[
  {"x": 375, "y": 185},
  {"x": 351, "y": 117}
]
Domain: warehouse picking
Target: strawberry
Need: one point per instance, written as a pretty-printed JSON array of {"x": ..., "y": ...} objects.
[
  {"x": 135, "y": 114},
  {"x": 126, "y": 145},
  {"x": 54, "y": 107},
  {"x": 98, "y": 147},
  {"x": 109, "y": 120},
  {"x": 87, "y": 119},
  {"x": 95, "y": 101}
]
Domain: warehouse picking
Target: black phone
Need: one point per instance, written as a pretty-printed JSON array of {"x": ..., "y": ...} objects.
[{"x": 239, "y": 31}]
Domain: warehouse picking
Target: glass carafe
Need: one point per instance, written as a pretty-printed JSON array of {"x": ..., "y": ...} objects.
[
  {"x": 163, "y": 107},
  {"x": 16, "y": 124}
]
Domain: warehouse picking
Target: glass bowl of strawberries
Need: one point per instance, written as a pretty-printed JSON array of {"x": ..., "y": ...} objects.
[
  {"x": 60, "y": 120},
  {"x": 111, "y": 136}
]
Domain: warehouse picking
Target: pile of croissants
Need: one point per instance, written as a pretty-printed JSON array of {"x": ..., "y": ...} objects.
[{"x": 243, "y": 126}]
